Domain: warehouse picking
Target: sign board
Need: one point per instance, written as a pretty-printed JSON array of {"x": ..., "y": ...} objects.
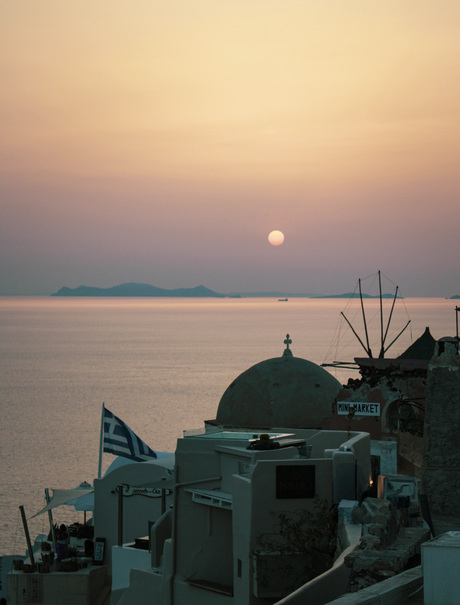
[
  {"x": 150, "y": 492},
  {"x": 99, "y": 551},
  {"x": 360, "y": 408},
  {"x": 295, "y": 481}
]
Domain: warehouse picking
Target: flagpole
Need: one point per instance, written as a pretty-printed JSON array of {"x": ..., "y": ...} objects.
[{"x": 101, "y": 443}]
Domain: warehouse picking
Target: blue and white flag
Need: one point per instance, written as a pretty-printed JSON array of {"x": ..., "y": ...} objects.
[{"x": 120, "y": 440}]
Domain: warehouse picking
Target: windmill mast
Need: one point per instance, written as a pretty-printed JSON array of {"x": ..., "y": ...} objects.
[
  {"x": 368, "y": 348},
  {"x": 383, "y": 334}
]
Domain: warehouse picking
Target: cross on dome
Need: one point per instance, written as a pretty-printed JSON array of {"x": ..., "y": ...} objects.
[
  {"x": 284, "y": 391},
  {"x": 287, "y": 342}
]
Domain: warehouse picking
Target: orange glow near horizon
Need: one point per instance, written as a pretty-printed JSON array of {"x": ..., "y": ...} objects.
[
  {"x": 309, "y": 115},
  {"x": 264, "y": 89}
]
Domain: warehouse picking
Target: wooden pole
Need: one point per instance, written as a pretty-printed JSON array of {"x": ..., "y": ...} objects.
[
  {"x": 101, "y": 443},
  {"x": 381, "y": 354},
  {"x": 120, "y": 515},
  {"x": 393, "y": 341},
  {"x": 382, "y": 350},
  {"x": 50, "y": 517},
  {"x": 26, "y": 532},
  {"x": 163, "y": 501},
  {"x": 368, "y": 349}
]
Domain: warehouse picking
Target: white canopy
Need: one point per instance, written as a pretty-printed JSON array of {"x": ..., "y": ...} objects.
[
  {"x": 70, "y": 497},
  {"x": 82, "y": 497}
]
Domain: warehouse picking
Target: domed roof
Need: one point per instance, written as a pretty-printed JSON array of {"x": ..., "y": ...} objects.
[{"x": 285, "y": 391}]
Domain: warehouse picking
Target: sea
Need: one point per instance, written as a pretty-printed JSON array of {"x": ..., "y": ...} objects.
[{"x": 159, "y": 364}]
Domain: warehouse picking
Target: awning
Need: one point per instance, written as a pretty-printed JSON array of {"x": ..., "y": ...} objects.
[
  {"x": 85, "y": 502},
  {"x": 69, "y": 497},
  {"x": 82, "y": 497}
]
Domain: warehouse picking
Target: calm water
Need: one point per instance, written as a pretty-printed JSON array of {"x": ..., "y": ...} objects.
[{"x": 160, "y": 364}]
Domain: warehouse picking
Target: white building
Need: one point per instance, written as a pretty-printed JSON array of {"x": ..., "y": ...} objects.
[
  {"x": 224, "y": 540},
  {"x": 146, "y": 488}
]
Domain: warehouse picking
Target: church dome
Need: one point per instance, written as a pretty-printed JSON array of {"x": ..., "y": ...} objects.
[{"x": 285, "y": 391}]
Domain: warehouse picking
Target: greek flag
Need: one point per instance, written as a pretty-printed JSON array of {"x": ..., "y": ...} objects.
[{"x": 120, "y": 440}]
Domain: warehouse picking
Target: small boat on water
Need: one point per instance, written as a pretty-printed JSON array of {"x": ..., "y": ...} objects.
[{"x": 283, "y": 299}]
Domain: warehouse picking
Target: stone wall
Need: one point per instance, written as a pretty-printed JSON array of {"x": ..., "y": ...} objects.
[
  {"x": 386, "y": 547},
  {"x": 441, "y": 462}
]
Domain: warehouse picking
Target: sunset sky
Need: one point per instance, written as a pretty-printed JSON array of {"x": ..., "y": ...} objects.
[{"x": 161, "y": 141}]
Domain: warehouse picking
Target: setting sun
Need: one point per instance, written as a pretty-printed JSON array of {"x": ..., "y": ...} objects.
[{"x": 276, "y": 238}]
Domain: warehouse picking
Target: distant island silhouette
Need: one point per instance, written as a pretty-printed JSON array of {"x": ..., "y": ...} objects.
[
  {"x": 138, "y": 290},
  {"x": 147, "y": 290}
]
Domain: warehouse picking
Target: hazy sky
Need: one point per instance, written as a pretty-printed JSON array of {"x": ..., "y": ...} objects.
[{"x": 161, "y": 141}]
